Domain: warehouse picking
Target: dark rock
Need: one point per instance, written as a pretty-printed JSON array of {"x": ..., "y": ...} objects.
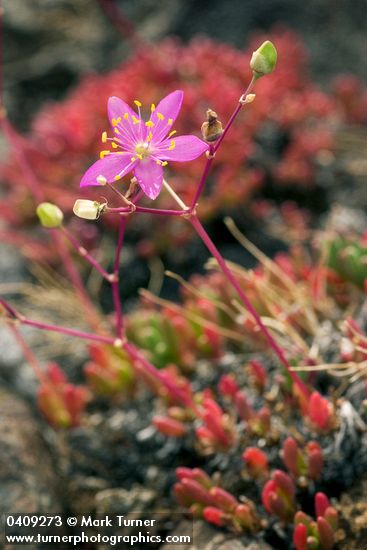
[{"x": 28, "y": 482}]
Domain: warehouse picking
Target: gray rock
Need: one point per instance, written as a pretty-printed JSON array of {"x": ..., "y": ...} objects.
[
  {"x": 28, "y": 482},
  {"x": 207, "y": 537}
]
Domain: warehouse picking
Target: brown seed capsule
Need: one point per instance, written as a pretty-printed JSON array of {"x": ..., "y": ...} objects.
[{"x": 212, "y": 128}]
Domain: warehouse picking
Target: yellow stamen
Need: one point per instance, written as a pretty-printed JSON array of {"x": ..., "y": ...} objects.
[
  {"x": 116, "y": 130},
  {"x": 137, "y": 103},
  {"x": 104, "y": 137},
  {"x": 133, "y": 159},
  {"x": 114, "y": 145},
  {"x": 159, "y": 162},
  {"x": 135, "y": 120},
  {"x": 101, "y": 179},
  {"x": 172, "y": 133},
  {"x": 160, "y": 116},
  {"x": 164, "y": 163},
  {"x": 118, "y": 177},
  {"x": 172, "y": 146},
  {"x": 149, "y": 124},
  {"x": 102, "y": 154},
  {"x": 115, "y": 121},
  {"x": 149, "y": 137},
  {"x": 139, "y": 156},
  {"x": 170, "y": 121},
  {"x": 126, "y": 116},
  {"x": 152, "y": 108}
]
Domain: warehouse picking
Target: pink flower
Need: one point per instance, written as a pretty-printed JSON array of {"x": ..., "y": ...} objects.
[{"x": 143, "y": 148}]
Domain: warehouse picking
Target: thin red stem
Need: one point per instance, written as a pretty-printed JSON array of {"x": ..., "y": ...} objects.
[
  {"x": 121, "y": 22},
  {"x": 203, "y": 179},
  {"x": 115, "y": 283},
  {"x": 234, "y": 114},
  {"x": 28, "y": 354},
  {"x": 248, "y": 305},
  {"x": 145, "y": 210},
  {"x": 173, "y": 389},
  {"x": 54, "y": 328},
  {"x": 85, "y": 254},
  {"x": 214, "y": 148}
]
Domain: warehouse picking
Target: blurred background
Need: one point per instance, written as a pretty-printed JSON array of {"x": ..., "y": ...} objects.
[
  {"x": 300, "y": 148},
  {"x": 51, "y": 44}
]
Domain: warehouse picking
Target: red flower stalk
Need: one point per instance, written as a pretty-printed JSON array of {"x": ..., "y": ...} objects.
[
  {"x": 300, "y": 537},
  {"x": 223, "y": 499},
  {"x": 169, "y": 427},
  {"x": 278, "y": 496},
  {"x": 307, "y": 463},
  {"x": 320, "y": 412},
  {"x": 217, "y": 430},
  {"x": 215, "y": 516},
  {"x": 321, "y": 504},
  {"x": 109, "y": 371},
  {"x": 258, "y": 374},
  {"x": 309, "y": 534},
  {"x": 197, "y": 474},
  {"x": 244, "y": 409},
  {"x": 61, "y": 402},
  {"x": 196, "y": 492},
  {"x": 246, "y": 516},
  {"x": 256, "y": 462},
  {"x": 326, "y": 534},
  {"x": 228, "y": 386}
]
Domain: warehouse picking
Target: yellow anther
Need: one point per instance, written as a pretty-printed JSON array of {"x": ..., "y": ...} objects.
[
  {"x": 102, "y": 154},
  {"x": 149, "y": 137},
  {"x": 104, "y": 137},
  {"x": 164, "y": 163},
  {"x": 135, "y": 120},
  {"x": 118, "y": 177},
  {"x": 172, "y": 146},
  {"x": 140, "y": 157},
  {"x": 160, "y": 116},
  {"x": 116, "y": 130},
  {"x": 115, "y": 121},
  {"x": 137, "y": 103},
  {"x": 133, "y": 159},
  {"x": 149, "y": 124},
  {"x": 152, "y": 108},
  {"x": 114, "y": 145},
  {"x": 172, "y": 133},
  {"x": 101, "y": 180},
  {"x": 126, "y": 116},
  {"x": 159, "y": 162},
  {"x": 170, "y": 121}
]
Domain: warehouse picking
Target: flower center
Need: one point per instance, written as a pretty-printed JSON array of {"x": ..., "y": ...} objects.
[{"x": 142, "y": 150}]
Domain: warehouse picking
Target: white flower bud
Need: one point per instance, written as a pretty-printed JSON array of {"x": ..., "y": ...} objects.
[{"x": 88, "y": 210}]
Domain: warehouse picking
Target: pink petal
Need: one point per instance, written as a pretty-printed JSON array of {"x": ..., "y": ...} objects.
[
  {"x": 150, "y": 177},
  {"x": 169, "y": 108},
  {"x": 185, "y": 148},
  {"x": 109, "y": 167},
  {"x": 129, "y": 133}
]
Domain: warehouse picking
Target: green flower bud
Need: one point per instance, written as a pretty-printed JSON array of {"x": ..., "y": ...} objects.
[
  {"x": 264, "y": 59},
  {"x": 87, "y": 209},
  {"x": 49, "y": 215}
]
